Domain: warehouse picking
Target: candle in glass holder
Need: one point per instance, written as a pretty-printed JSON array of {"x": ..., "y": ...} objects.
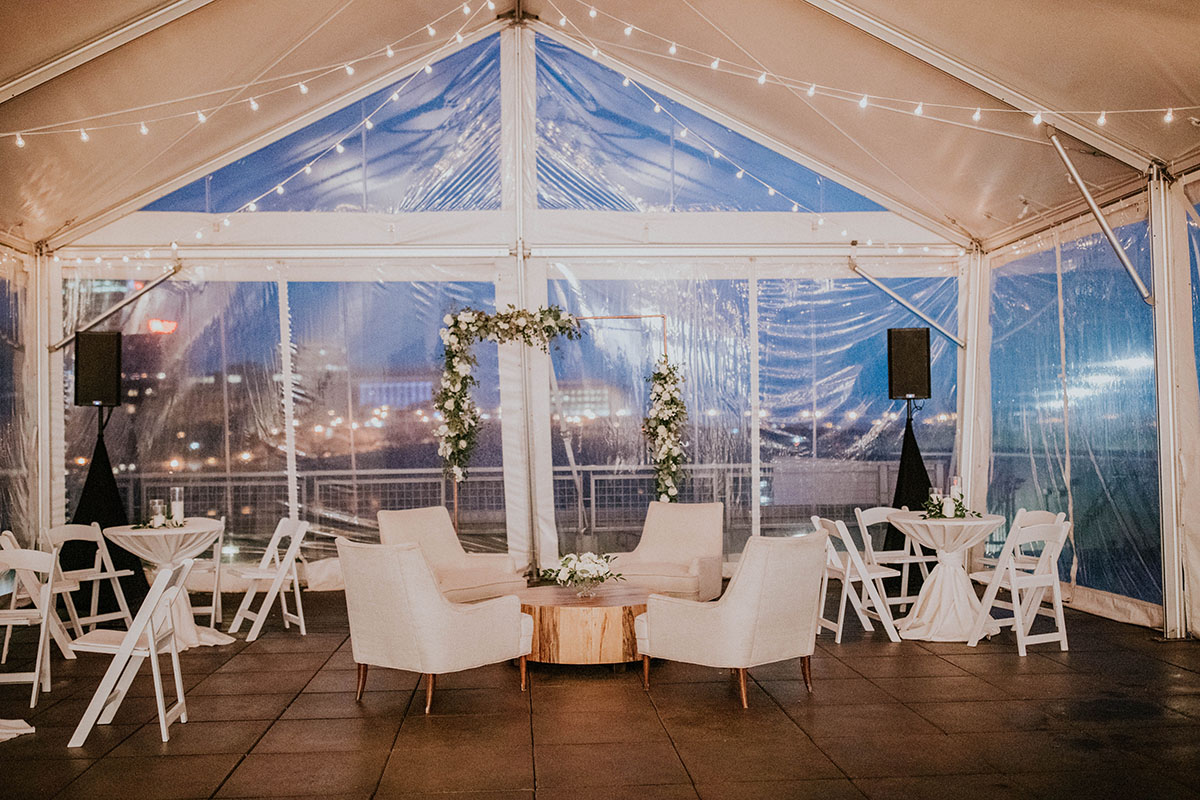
[
  {"x": 177, "y": 503},
  {"x": 158, "y": 513}
]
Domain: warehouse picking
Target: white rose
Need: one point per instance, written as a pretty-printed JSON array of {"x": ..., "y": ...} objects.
[
  {"x": 462, "y": 368},
  {"x": 672, "y": 491},
  {"x": 664, "y": 498},
  {"x": 521, "y": 323},
  {"x": 662, "y": 430},
  {"x": 448, "y": 320},
  {"x": 462, "y": 445},
  {"x": 450, "y": 404}
]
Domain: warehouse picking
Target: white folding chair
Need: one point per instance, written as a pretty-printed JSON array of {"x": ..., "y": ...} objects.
[
  {"x": 1024, "y": 559},
  {"x": 27, "y": 563},
  {"x": 280, "y": 572},
  {"x": 20, "y": 597},
  {"x": 102, "y": 570},
  {"x": 152, "y": 631},
  {"x": 847, "y": 565},
  {"x": 911, "y": 553},
  {"x": 213, "y": 565},
  {"x": 1026, "y": 588}
]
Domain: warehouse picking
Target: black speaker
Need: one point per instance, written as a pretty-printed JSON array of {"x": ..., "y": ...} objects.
[
  {"x": 908, "y": 363},
  {"x": 97, "y": 368}
]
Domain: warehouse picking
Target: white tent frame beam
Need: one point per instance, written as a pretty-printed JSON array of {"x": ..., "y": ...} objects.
[
  {"x": 973, "y": 76},
  {"x": 106, "y": 42},
  {"x": 98, "y": 220},
  {"x": 948, "y": 232}
]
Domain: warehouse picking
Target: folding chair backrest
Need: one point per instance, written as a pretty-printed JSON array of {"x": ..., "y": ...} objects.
[
  {"x": 150, "y": 606},
  {"x": 27, "y": 560},
  {"x": 839, "y": 534},
  {"x": 1028, "y": 519},
  {"x": 74, "y": 533},
  {"x": 867, "y": 518},
  {"x": 1052, "y": 537},
  {"x": 293, "y": 531}
]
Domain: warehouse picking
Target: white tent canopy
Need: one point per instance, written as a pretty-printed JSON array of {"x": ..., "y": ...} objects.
[{"x": 935, "y": 111}]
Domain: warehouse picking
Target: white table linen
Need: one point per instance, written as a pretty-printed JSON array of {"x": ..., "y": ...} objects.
[
  {"x": 168, "y": 547},
  {"x": 947, "y": 606},
  {"x": 12, "y": 728}
]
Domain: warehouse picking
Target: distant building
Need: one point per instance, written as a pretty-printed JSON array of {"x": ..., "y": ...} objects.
[{"x": 395, "y": 393}]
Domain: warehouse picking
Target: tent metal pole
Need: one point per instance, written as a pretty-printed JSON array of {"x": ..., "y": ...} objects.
[
  {"x": 133, "y": 298},
  {"x": 1099, "y": 215},
  {"x": 857, "y": 270}
]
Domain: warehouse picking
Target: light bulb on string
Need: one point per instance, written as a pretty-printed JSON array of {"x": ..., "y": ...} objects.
[
  {"x": 303, "y": 87},
  {"x": 142, "y": 129},
  {"x": 716, "y": 62},
  {"x": 226, "y": 222},
  {"x": 870, "y": 242},
  {"x": 762, "y": 79},
  {"x": 199, "y": 234},
  {"x": 83, "y": 135},
  {"x": 279, "y": 189},
  {"x": 466, "y": 9},
  {"x": 20, "y": 141},
  {"x": 253, "y": 206},
  {"x": 977, "y": 115},
  {"x": 595, "y": 51},
  {"x": 491, "y": 6},
  {"x": 820, "y": 221},
  {"x": 341, "y": 148},
  {"x": 672, "y": 49},
  {"x": 812, "y": 89},
  {"x": 900, "y": 249},
  {"x": 308, "y": 169},
  {"x": 145, "y": 254},
  {"x": 771, "y": 191},
  {"x": 741, "y": 173},
  {"x": 253, "y": 104},
  {"x": 628, "y": 30},
  {"x": 125, "y": 259},
  {"x": 592, "y": 12},
  {"x": 683, "y": 133},
  {"x": 562, "y": 21},
  {"x": 201, "y": 117},
  {"x": 863, "y": 102},
  {"x": 1037, "y": 118},
  {"x": 349, "y": 69},
  {"x": 174, "y": 245},
  {"x": 716, "y": 153},
  {"x": 428, "y": 69},
  {"x": 1102, "y": 119},
  {"x": 925, "y": 249},
  {"x": 625, "y": 82},
  {"x": 1170, "y": 116},
  {"x": 795, "y": 206},
  {"x": 844, "y": 232},
  {"x": 390, "y": 52},
  {"x": 458, "y": 37},
  {"x": 368, "y": 124},
  {"x": 431, "y": 30},
  {"x": 657, "y": 108},
  {"x": 920, "y": 109}
]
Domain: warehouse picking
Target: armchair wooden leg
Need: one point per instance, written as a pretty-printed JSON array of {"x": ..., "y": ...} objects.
[
  {"x": 428, "y": 691},
  {"x": 521, "y": 665},
  {"x": 806, "y": 668},
  {"x": 646, "y": 673},
  {"x": 362, "y": 683},
  {"x": 742, "y": 686}
]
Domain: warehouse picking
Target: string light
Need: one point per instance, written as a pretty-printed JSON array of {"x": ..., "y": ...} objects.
[
  {"x": 83, "y": 135},
  {"x": 628, "y": 30},
  {"x": 683, "y": 133},
  {"x": 349, "y": 69},
  {"x": 199, "y": 234},
  {"x": 771, "y": 191},
  {"x": 716, "y": 62},
  {"x": 1169, "y": 117},
  {"x": 920, "y": 109},
  {"x": 368, "y": 124},
  {"x": 592, "y": 12},
  {"x": 20, "y": 141},
  {"x": 657, "y": 108},
  {"x": 432, "y": 31},
  {"x": 795, "y": 206},
  {"x": 174, "y": 245},
  {"x": 458, "y": 37},
  {"x": 1037, "y": 118},
  {"x": 428, "y": 69},
  {"x": 1103, "y": 118},
  {"x": 303, "y": 87},
  {"x": 672, "y": 49},
  {"x": 977, "y": 115},
  {"x": 226, "y": 222},
  {"x": 390, "y": 52},
  {"x": 279, "y": 189},
  {"x": 252, "y": 206},
  {"x": 625, "y": 82},
  {"x": 863, "y": 103},
  {"x": 308, "y": 169},
  {"x": 741, "y": 173},
  {"x": 562, "y": 21},
  {"x": 812, "y": 89},
  {"x": 201, "y": 118},
  {"x": 253, "y": 104},
  {"x": 341, "y": 148},
  {"x": 762, "y": 79},
  {"x": 466, "y": 9},
  {"x": 491, "y": 6},
  {"x": 820, "y": 221}
]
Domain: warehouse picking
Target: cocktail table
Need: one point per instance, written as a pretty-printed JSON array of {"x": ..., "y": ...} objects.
[{"x": 568, "y": 629}]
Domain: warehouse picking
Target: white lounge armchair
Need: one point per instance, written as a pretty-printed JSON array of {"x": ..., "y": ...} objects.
[
  {"x": 400, "y": 619},
  {"x": 680, "y": 551},
  {"x": 768, "y": 613},
  {"x": 461, "y": 576}
]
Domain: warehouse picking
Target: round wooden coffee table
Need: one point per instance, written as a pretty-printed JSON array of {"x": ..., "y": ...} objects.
[{"x": 583, "y": 630}]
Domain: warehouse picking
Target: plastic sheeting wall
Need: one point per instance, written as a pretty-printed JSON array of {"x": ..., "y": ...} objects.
[
  {"x": 600, "y": 146},
  {"x": 1109, "y": 366},
  {"x": 831, "y": 437},
  {"x": 14, "y": 473},
  {"x": 436, "y": 149}
]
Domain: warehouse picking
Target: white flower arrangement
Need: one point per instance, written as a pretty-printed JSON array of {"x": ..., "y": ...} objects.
[
  {"x": 458, "y": 433},
  {"x": 583, "y": 572},
  {"x": 663, "y": 428}
]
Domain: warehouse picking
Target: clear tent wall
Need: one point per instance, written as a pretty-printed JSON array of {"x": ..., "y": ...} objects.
[{"x": 290, "y": 367}]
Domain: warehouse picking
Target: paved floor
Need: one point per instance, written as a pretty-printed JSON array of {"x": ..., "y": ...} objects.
[{"x": 1117, "y": 716}]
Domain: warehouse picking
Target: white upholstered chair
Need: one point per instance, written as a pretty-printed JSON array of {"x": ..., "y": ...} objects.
[
  {"x": 399, "y": 618},
  {"x": 461, "y": 576},
  {"x": 768, "y": 613},
  {"x": 680, "y": 551}
]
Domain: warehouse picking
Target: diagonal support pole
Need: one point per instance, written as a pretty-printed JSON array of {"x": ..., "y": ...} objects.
[
  {"x": 1099, "y": 215},
  {"x": 878, "y": 284}
]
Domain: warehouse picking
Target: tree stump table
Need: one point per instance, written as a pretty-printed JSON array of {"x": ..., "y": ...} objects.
[{"x": 568, "y": 629}]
